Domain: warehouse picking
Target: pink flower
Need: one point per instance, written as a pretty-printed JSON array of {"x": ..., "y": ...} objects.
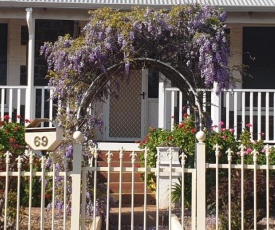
[
  {"x": 221, "y": 123},
  {"x": 232, "y": 130},
  {"x": 224, "y": 137},
  {"x": 223, "y": 129},
  {"x": 6, "y": 117},
  {"x": 215, "y": 126},
  {"x": 248, "y": 151},
  {"x": 248, "y": 125}
]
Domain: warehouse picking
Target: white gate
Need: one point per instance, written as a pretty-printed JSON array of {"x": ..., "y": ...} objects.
[{"x": 166, "y": 171}]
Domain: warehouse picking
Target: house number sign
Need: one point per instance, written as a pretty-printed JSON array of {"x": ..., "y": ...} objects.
[
  {"x": 40, "y": 141},
  {"x": 43, "y": 138}
]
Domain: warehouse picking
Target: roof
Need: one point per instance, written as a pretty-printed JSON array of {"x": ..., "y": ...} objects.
[{"x": 229, "y": 5}]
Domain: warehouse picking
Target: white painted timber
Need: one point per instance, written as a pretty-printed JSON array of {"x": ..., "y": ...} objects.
[{"x": 116, "y": 146}]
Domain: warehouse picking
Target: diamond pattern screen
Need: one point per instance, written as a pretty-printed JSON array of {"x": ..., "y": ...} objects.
[{"x": 125, "y": 112}]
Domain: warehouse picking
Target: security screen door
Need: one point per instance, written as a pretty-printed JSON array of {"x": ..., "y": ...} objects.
[{"x": 126, "y": 116}]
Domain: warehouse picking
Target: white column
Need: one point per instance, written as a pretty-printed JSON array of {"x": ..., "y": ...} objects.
[
  {"x": 215, "y": 106},
  {"x": 164, "y": 176},
  {"x": 162, "y": 105},
  {"x": 30, "y": 100},
  {"x": 76, "y": 181},
  {"x": 201, "y": 180}
]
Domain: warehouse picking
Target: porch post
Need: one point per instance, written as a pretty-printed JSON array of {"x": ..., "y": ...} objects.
[
  {"x": 76, "y": 181},
  {"x": 29, "y": 107},
  {"x": 162, "y": 105},
  {"x": 201, "y": 180},
  {"x": 216, "y": 106}
]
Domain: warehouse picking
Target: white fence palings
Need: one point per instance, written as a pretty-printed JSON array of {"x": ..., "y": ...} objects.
[
  {"x": 242, "y": 167},
  {"x": 19, "y": 173},
  {"x": 43, "y": 174},
  {"x": 132, "y": 169}
]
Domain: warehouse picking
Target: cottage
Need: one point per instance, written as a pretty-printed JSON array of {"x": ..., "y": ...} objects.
[{"x": 25, "y": 25}]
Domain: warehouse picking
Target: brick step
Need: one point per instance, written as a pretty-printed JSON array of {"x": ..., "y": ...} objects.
[
  {"x": 126, "y": 155},
  {"x": 138, "y": 199},
  {"x": 127, "y": 187},
  {"x": 114, "y": 177},
  {"x": 117, "y": 164},
  {"x": 126, "y": 178}
]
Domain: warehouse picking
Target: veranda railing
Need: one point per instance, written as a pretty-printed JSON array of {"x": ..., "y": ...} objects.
[
  {"x": 13, "y": 101},
  {"x": 236, "y": 108}
]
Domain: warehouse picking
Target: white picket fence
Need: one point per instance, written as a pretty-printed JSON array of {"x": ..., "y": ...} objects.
[
  {"x": 242, "y": 168},
  {"x": 30, "y": 170},
  {"x": 68, "y": 189}
]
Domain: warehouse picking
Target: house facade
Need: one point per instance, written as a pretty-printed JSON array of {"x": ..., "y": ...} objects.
[{"x": 26, "y": 25}]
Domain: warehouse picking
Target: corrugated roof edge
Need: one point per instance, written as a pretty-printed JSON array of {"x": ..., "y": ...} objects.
[{"x": 125, "y": 5}]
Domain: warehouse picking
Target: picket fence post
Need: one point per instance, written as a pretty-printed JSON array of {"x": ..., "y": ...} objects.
[
  {"x": 216, "y": 100},
  {"x": 76, "y": 181},
  {"x": 201, "y": 180}
]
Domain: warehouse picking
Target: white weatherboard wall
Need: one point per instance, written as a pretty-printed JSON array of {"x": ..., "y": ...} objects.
[{"x": 16, "y": 52}]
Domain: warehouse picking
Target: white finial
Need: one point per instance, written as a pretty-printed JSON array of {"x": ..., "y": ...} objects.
[
  {"x": 78, "y": 136},
  {"x": 201, "y": 136}
]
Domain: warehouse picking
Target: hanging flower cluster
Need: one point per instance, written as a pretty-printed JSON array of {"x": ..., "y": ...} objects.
[{"x": 190, "y": 37}]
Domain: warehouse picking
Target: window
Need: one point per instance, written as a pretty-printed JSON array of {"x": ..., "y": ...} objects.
[
  {"x": 259, "y": 56},
  {"x": 153, "y": 83}
]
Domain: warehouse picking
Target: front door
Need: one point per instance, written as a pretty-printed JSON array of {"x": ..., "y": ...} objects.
[{"x": 126, "y": 115}]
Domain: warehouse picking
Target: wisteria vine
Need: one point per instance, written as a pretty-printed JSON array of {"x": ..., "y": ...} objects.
[{"x": 191, "y": 37}]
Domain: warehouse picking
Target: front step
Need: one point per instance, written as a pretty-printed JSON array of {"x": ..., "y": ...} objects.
[
  {"x": 126, "y": 185},
  {"x": 138, "y": 199}
]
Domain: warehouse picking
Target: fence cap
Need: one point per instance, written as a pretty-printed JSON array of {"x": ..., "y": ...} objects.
[{"x": 36, "y": 122}]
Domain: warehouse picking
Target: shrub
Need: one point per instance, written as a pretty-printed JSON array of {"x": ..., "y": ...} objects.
[
  {"x": 12, "y": 136},
  {"x": 183, "y": 136},
  {"x": 248, "y": 198},
  {"x": 12, "y": 140}
]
